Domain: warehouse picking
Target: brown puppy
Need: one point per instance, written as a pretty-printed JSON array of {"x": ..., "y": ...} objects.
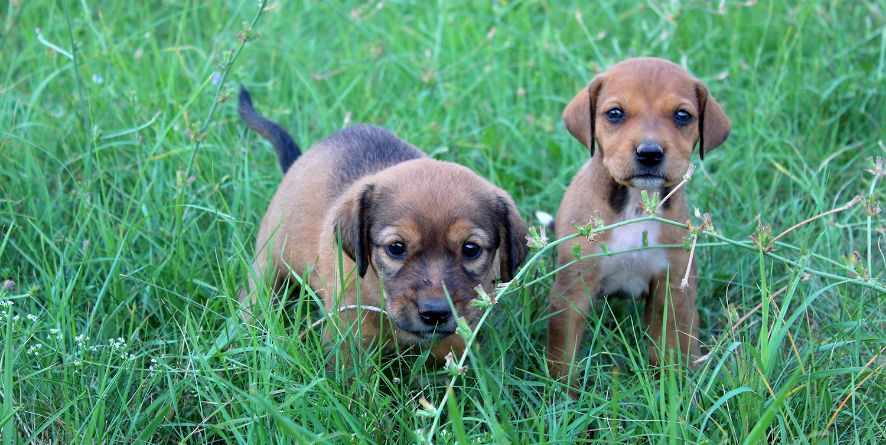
[
  {"x": 411, "y": 230},
  {"x": 641, "y": 121}
]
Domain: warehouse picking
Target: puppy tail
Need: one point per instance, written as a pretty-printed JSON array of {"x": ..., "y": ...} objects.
[{"x": 286, "y": 148}]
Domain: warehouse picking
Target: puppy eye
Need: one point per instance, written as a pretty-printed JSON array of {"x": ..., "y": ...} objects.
[
  {"x": 396, "y": 250},
  {"x": 682, "y": 117},
  {"x": 615, "y": 115},
  {"x": 471, "y": 251}
]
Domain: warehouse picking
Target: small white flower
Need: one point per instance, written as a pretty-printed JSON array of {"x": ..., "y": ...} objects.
[
  {"x": 6, "y": 303},
  {"x": 16, "y": 318},
  {"x": 98, "y": 78},
  {"x": 55, "y": 332},
  {"x": 35, "y": 349},
  {"x": 78, "y": 362},
  {"x": 32, "y": 318},
  {"x": 117, "y": 344},
  {"x": 544, "y": 218},
  {"x": 81, "y": 340}
]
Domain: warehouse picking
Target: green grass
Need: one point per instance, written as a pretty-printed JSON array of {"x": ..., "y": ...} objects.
[{"x": 109, "y": 231}]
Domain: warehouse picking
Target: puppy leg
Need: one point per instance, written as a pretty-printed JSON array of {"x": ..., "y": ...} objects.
[
  {"x": 248, "y": 293},
  {"x": 569, "y": 305},
  {"x": 681, "y": 330},
  {"x": 350, "y": 335}
]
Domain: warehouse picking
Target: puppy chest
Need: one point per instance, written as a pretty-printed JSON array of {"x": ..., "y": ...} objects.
[{"x": 630, "y": 273}]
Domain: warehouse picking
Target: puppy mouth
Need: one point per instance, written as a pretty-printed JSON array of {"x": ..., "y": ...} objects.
[
  {"x": 647, "y": 180},
  {"x": 434, "y": 334},
  {"x": 429, "y": 334}
]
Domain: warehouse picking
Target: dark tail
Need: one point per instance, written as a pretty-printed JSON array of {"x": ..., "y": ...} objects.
[{"x": 287, "y": 150}]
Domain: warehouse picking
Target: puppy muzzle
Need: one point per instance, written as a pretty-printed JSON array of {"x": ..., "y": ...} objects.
[
  {"x": 649, "y": 158},
  {"x": 430, "y": 318}
]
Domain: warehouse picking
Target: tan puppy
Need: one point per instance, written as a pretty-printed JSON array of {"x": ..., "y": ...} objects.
[
  {"x": 411, "y": 230},
  {"x": 641, "y": 121}
]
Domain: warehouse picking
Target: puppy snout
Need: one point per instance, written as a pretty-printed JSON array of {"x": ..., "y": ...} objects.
[
  {"x": 649, "y": 154},
  {"x": 434, "y": 311}
]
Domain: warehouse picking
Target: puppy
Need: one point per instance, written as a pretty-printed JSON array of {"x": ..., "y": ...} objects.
[
  {"x": 641, "y": 121},
  {"x": 411, "y": 230}
]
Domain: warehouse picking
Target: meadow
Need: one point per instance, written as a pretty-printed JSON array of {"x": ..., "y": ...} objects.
[{"x": 130, "y": 196}]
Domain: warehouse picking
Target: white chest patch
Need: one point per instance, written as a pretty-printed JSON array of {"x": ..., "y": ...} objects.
[{"x": 631, "y": 273}]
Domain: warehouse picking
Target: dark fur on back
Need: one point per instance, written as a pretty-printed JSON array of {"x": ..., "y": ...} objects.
[
  {"x": 363, "y": 150},
  {"x": 286, "y": 148}
]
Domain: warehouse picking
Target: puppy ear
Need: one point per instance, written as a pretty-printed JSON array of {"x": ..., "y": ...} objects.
[
  {"x": 713, "y": 124},
  {"x": 580, "y": 114},
  {"x": 512, "y": 238},
  {"x": 353, "y": 223}
]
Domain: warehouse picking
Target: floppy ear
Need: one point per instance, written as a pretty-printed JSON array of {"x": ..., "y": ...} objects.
[
  {"x": 512, "y": 238},
  {"x": 581, "y": 112},
  {"x": 713, "y": 124},
  {"x": 354, "y": 223}
]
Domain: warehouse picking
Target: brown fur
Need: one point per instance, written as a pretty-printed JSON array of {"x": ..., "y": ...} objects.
[
  {"x": 367, "y": 199},
  {"x": 649, "y": 91}
]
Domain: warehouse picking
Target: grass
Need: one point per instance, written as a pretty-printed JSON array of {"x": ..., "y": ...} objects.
[{"x": 130, "y": 195}]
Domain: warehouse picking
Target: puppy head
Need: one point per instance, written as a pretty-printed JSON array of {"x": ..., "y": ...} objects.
[
  {"x": 428, "y": 228},
  {"x": 646, "y": 115}
]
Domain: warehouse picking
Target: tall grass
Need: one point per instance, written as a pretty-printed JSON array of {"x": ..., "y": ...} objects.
[{"x": 130, "y": 194}]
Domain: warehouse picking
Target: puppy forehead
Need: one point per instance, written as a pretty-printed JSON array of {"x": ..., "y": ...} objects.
[
  {"x": 463, "y": 229},
  {"x": 425, "y": 197},
  {"x": 434, "y": 218},
  {"x": 420, "y": 231},
  {"x": 647, "y": 91},
  {"x": 649, "y": 80}
]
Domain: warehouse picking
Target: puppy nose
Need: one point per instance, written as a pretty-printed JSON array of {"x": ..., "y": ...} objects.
[
  {"x": 649, "y": 154},
  {"x": 434, "y": 311}
]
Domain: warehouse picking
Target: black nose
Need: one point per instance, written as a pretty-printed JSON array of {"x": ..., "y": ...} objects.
[
  {"x": 434, "y": 311},
  {"x": 649, "y": 154}
]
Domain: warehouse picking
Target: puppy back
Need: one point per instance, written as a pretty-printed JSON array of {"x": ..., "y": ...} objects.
[{"x": 362, "y": 150}]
